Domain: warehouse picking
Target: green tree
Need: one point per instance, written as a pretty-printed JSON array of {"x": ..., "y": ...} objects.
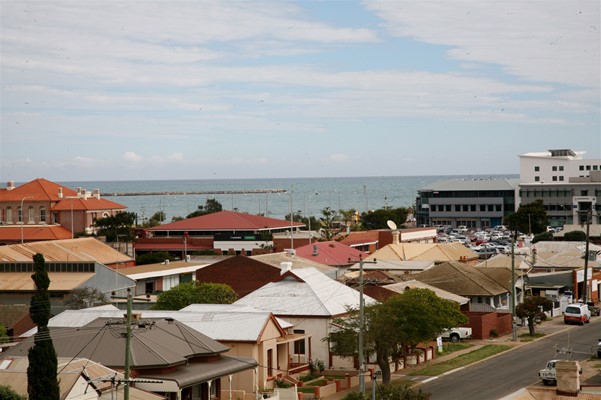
[
  {"x": 392, "y": 392},
  {"x": 42, "y": 381},
  {"x": 211, "y": 206},
  {"x": 377, "y": 219},
  {"x": 326, "y": 222},
  {"x": 530, "y": 218},
  {"x": 153, "y": 257},
  {"x": 7, "y": 393},
  {"x": 195, "y": 292},
  {"x": 156, "y": 219},
  {"x": 3, "y": 335},
  {"x": 118, "y": 227},
  {"x": 575, "y": 236},
  {"x": 85, "y": 297},
  {"x": 348, "y": 217},
  {"x": 543, "y": 237},
  {"x": 533, "y": 308},
  {"x": 396, "y": 326}
]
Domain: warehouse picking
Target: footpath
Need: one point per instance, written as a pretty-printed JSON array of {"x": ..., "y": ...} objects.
[{"x": 547, "y": 328}]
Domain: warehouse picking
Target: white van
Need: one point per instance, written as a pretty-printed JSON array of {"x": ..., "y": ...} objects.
[{"x": 577, "y": 313}]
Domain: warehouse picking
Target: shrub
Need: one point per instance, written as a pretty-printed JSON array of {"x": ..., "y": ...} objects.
[{"x": 493, "y": 333}]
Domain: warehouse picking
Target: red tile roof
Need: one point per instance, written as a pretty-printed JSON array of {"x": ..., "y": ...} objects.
[
  {"x": 226, "y": 221},
  {"x": 91, "y": 203},
  {"x": 330, "y": 253},
  {"x": 39, "y": 189},
  {"x": 361, "y": 237}
]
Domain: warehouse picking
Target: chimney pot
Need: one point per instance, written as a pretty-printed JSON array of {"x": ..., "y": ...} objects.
[{"x": 285, "y": 266}]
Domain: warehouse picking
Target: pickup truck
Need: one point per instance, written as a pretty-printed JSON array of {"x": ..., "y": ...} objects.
[
  {"x": 547, "y": 374},
  {"x": 456, "y": 334}
]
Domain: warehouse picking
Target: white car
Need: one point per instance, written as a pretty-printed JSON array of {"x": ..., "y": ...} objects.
[{"x": 456, "y": 334}]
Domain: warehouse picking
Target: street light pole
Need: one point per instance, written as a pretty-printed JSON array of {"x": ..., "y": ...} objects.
[
  {"x": 514, "y": 335},
  {"x": 589, "y": 215},
  {"x": 23, "y": 216},
  {"x": 309, "y": 217}
]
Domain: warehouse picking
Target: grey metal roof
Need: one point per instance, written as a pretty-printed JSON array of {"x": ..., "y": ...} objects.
[
  {"x": 156, "y": 343},
  {"x": 472, "y": 184},
  {"x": 305, "y": 292},
  {"x": 223, "y": 322}
]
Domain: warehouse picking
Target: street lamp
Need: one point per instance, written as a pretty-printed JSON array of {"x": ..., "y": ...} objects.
[
  {"x": 23, "y": 215},
  {"x": 309, "y": 217}
]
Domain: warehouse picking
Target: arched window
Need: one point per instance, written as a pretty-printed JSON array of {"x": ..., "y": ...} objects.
[
  {"x": 30, "y": 215},
  {"x": 42, "y": 215},
  {"x": 20, "y": 215},
  {"x": 9, "y": 215}
]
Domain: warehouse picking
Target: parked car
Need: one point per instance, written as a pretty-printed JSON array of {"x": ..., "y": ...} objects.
[
  {"x": 578, "y": 313},
  {"x": 462, "y": 228},
  {"x": 456, "y": 334}
]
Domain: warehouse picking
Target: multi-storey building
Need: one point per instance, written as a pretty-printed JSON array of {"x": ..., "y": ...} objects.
[
  {"x": 568, "y": 185},
  {"x": 474, "y": 203}
]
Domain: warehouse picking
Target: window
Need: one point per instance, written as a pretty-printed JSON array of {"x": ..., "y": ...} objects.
[
  {"x": 432, "y": 207},
  {"x": 595, "y": 167},
  {"x": 537, "y": 179},
  {"x": 554, "y": 179},
  {"x": 472, "y": 207},
  {"x": 42, "y": 214},
  {"x": 465, "y": 207},
  {"x": 9, "y": 215},
  {"x": 581, "y": 167},
  {"x": 588, "y": 167},
  {"x": 561, "y": 167},
  {"x": 584, "y": 193},
  {"x": 554, "y": 168},
  {"x": 448, "y": 207},
  {"x": 536, "y": 168},
  {"x": 491, "y": 207},
  {"x": 170, "y": 282},
  {"x": 20, "y": 215},
  {"x": 299, "y": 345},
  {"x": 482, "y": 207},
  {"x": 457, "y": 207},
  {"x": 497, "y": 207},
  {"x": 30, "y": 215},
  {"x": 270, "y": 362},
  {"x": 561, "y": 178}
]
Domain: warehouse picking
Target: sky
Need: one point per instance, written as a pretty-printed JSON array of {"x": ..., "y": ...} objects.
[{"x": 128, "y": 90}]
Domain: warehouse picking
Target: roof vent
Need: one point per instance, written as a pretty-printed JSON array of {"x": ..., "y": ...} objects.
[
  {"x": 10, "y": 185},
  {"x": 315, "y": 250},
  {"x": 60, "y": 192}
]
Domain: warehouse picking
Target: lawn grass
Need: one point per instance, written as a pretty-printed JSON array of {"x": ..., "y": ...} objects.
[
  {"x": 451, "y": 347},
  {"x": 462, "y": 360},
  {"x": 306, "y": 389},
  {"x": 526, "y": 337}
]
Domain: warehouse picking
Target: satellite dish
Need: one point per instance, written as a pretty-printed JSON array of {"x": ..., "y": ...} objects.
[{"x": 391, "y": 225}]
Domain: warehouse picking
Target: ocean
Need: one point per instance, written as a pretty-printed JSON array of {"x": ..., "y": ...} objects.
[{"x": 305, "y": 196}]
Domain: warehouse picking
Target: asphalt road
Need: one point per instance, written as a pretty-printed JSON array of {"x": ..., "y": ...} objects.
[{"x": 508, "y": 372}]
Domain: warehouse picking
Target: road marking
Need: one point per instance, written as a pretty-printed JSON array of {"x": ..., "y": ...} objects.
[{"x": 429, "y": 379}]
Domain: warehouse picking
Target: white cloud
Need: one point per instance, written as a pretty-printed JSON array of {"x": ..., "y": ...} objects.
[
  {"x": 553, "y": 41},
  {"x": 339, "y": 158},
  {"x": 132, "y": 157}
]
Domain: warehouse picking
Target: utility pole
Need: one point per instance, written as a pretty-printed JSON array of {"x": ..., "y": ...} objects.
[
  {"x": 514, "y": 335},
  {"x": 362, "y": 325},
  {"x": 127, "y": 367},
  {"x": 589, "y": 215}
]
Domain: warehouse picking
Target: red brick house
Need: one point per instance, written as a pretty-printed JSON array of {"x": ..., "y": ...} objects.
[{"x": 44, "y": 210}]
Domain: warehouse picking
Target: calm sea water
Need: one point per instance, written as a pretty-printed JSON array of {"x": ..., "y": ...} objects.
[{"x": 307, "y": 196}]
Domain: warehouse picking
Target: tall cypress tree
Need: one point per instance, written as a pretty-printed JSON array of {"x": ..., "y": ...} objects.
[{"x": 42, "y": 383}]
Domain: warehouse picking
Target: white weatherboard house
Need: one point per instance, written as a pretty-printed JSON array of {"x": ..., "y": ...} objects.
[
  {"x": 247, "y": 331},
  {"x": 310, "y": 301}
]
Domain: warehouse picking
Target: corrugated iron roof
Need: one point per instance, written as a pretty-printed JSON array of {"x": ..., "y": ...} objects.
[
  {"x": 412, "y": 284},
  {"x": 304, "y": 292},
  {"x": 438, "y": 252},
  {"x": 59, "y": 281},
  {"x": 330, "y": 253},
  {"x": 226, "y": 220},
  {"x": 224, "y": 322},
  {"x": 30, "y": 233},
  {"x": 81, "y": 249}
]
